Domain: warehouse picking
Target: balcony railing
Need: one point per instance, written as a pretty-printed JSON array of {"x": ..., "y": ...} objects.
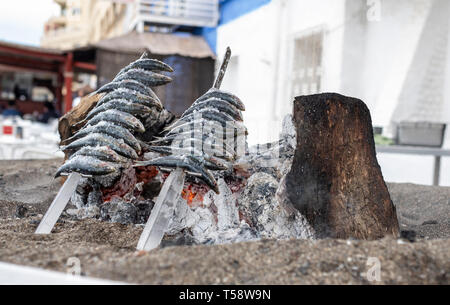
[{"x": 199, "y": 13}]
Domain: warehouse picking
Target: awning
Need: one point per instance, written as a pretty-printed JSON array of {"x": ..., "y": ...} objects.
[
  {"x": 159, "y": 44},
  {"x": 17, "y": 57},
  {"x": 21, "y": 57}
]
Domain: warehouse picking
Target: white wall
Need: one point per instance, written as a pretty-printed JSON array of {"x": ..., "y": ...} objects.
[
  {"x": 362, "y": 58},
  {"x": 389, "y": 60},
  {"x": 262, "y": 42},
  {"x": 250, "y": 76},
  {"x": 368, "y": 59}
]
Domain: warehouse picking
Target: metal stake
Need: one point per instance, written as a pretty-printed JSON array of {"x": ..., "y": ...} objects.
[
  {"x": 162, "y": 212},
  {"x": 59, "y": 203},
  {"x": 158, "y": 221}
]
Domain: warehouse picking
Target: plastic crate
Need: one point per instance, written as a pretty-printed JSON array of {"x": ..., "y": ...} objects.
[{"x": 421, "y": 134}]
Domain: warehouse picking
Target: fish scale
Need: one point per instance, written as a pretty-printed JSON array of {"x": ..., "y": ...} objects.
[
  {"x": 160, "y": 217},
  {"x": 96, "y": 151},
  {"x": 130, "y": 96},
  {"x": 148, "y": 78},
  {"x": 122, "y": 105},
  {"x": 115, "y": 131},
  {"x": 108, "y": 135},
  {"x": 215, "y": 108},
  {"x": 119, "y": 117},
  {"x": 215, "y": 103},
  {"x": 98, "y": 139}
]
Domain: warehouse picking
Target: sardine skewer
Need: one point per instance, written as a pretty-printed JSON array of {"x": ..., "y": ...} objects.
[
  {"x": 108, "y": 142},
  {"x": 159, "y": 218}
]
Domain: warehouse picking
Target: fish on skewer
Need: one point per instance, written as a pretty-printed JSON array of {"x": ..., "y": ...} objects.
[
  {"x": 108, "y": 138},
  {"x": 216, "y": 109}
]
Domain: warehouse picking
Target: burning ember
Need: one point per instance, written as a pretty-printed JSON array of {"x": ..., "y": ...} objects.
[
  {"x": 230, "y": 192},
  {"x": 250, "y": 204}
]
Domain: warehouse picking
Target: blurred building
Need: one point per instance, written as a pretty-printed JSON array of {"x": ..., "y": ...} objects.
[
  {"x": 394, "y": 55},
  {"x": 110, "y": 34},
  {"x": 391, "y": 54},
  {"x": 31, "y": 76},
  {"x": 189, "y": 55},
  {"x": 82, "y": 22}
]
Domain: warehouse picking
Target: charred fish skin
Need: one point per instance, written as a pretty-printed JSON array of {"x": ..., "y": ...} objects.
[
  {"x": 128, "y": 95},
  {"x": 86, "y": 165},
  {"x": 109, "y": 129},
  {"x": 131, "y": 85},
  {"x": 211, "y": 115},
  {"x": 218, "y": 104},
  {"x": 168, "y": 150},
  {"x": 206, "y": 143},
  {"x": 140, "y": 88},
  {"x": 125, "y": 84},
  {"x": 123, "y": 119},
  {"x": 121, "y": 105},
  {"x": 210, "y": 163},
  {"x": 186, "y": 163},
  {"x": 108, "y": 140},
  {"x": 222, "y": 95},
  {"x": 97, "y": 139},
  {"x": 147, "y": 64},
  {"x": 215, "y": 152},
  {"x": 204, "y": 125},
  {"x": 188, "y": 151},
  {"x": 148, "y": 78},
  {"x": 102, "y": 153},
  {"x": 170, "y": 137}
]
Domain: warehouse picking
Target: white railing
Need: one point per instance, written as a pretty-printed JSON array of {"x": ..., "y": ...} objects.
[{"x": 201, "y": 13}]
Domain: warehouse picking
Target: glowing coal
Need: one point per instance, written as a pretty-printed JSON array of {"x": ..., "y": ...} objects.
[{"x": 251, "y": 204}]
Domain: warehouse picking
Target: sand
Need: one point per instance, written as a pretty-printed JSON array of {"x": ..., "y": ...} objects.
[{"x": 107, "y": 250}]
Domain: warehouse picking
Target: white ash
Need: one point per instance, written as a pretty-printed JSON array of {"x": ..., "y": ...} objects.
[
  {"x": 259, "y": 210},
  {"x": 85, "y": 212},
  {"x": 288, "y": 132},
  {"x": 182, "y": 217},
  {"x": 272, "y": 158},
  {"x": 227, "y": 210},
  {"x": 215, "y": 222},
  {"x": 110, "y": 179},
  {"x": 264, "y": 216},
  {"x": 86, "y": 199},
  {"x": 119, "y": 211},
  {"x": 126, "y": 210}
]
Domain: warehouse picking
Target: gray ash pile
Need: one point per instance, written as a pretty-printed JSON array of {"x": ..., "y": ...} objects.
[{"x": 129, "y": 143}]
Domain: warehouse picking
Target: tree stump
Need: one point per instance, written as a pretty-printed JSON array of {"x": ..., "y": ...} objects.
[{"x": 335, "y": 180}]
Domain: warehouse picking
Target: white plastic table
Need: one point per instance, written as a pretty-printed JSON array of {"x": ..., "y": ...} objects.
[{"x": 438, "y": 153}]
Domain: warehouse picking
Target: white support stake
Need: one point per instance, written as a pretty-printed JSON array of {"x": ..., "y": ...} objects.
[
  {"x": 59, "y": 203},
  {"x": 162, "y": 212}
]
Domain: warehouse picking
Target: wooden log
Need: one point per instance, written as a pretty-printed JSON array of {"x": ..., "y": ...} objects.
[
  {"x": 335, "y": 180},
  {"x": 66, "y": 125}
]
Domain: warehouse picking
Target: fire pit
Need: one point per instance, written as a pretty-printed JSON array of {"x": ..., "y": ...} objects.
[
  {"x": 247, "y": 207},
  {"x": 320, "y": 179}
]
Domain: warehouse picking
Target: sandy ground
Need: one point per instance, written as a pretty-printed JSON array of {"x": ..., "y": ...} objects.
[{"x": 107, "y": 250}]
